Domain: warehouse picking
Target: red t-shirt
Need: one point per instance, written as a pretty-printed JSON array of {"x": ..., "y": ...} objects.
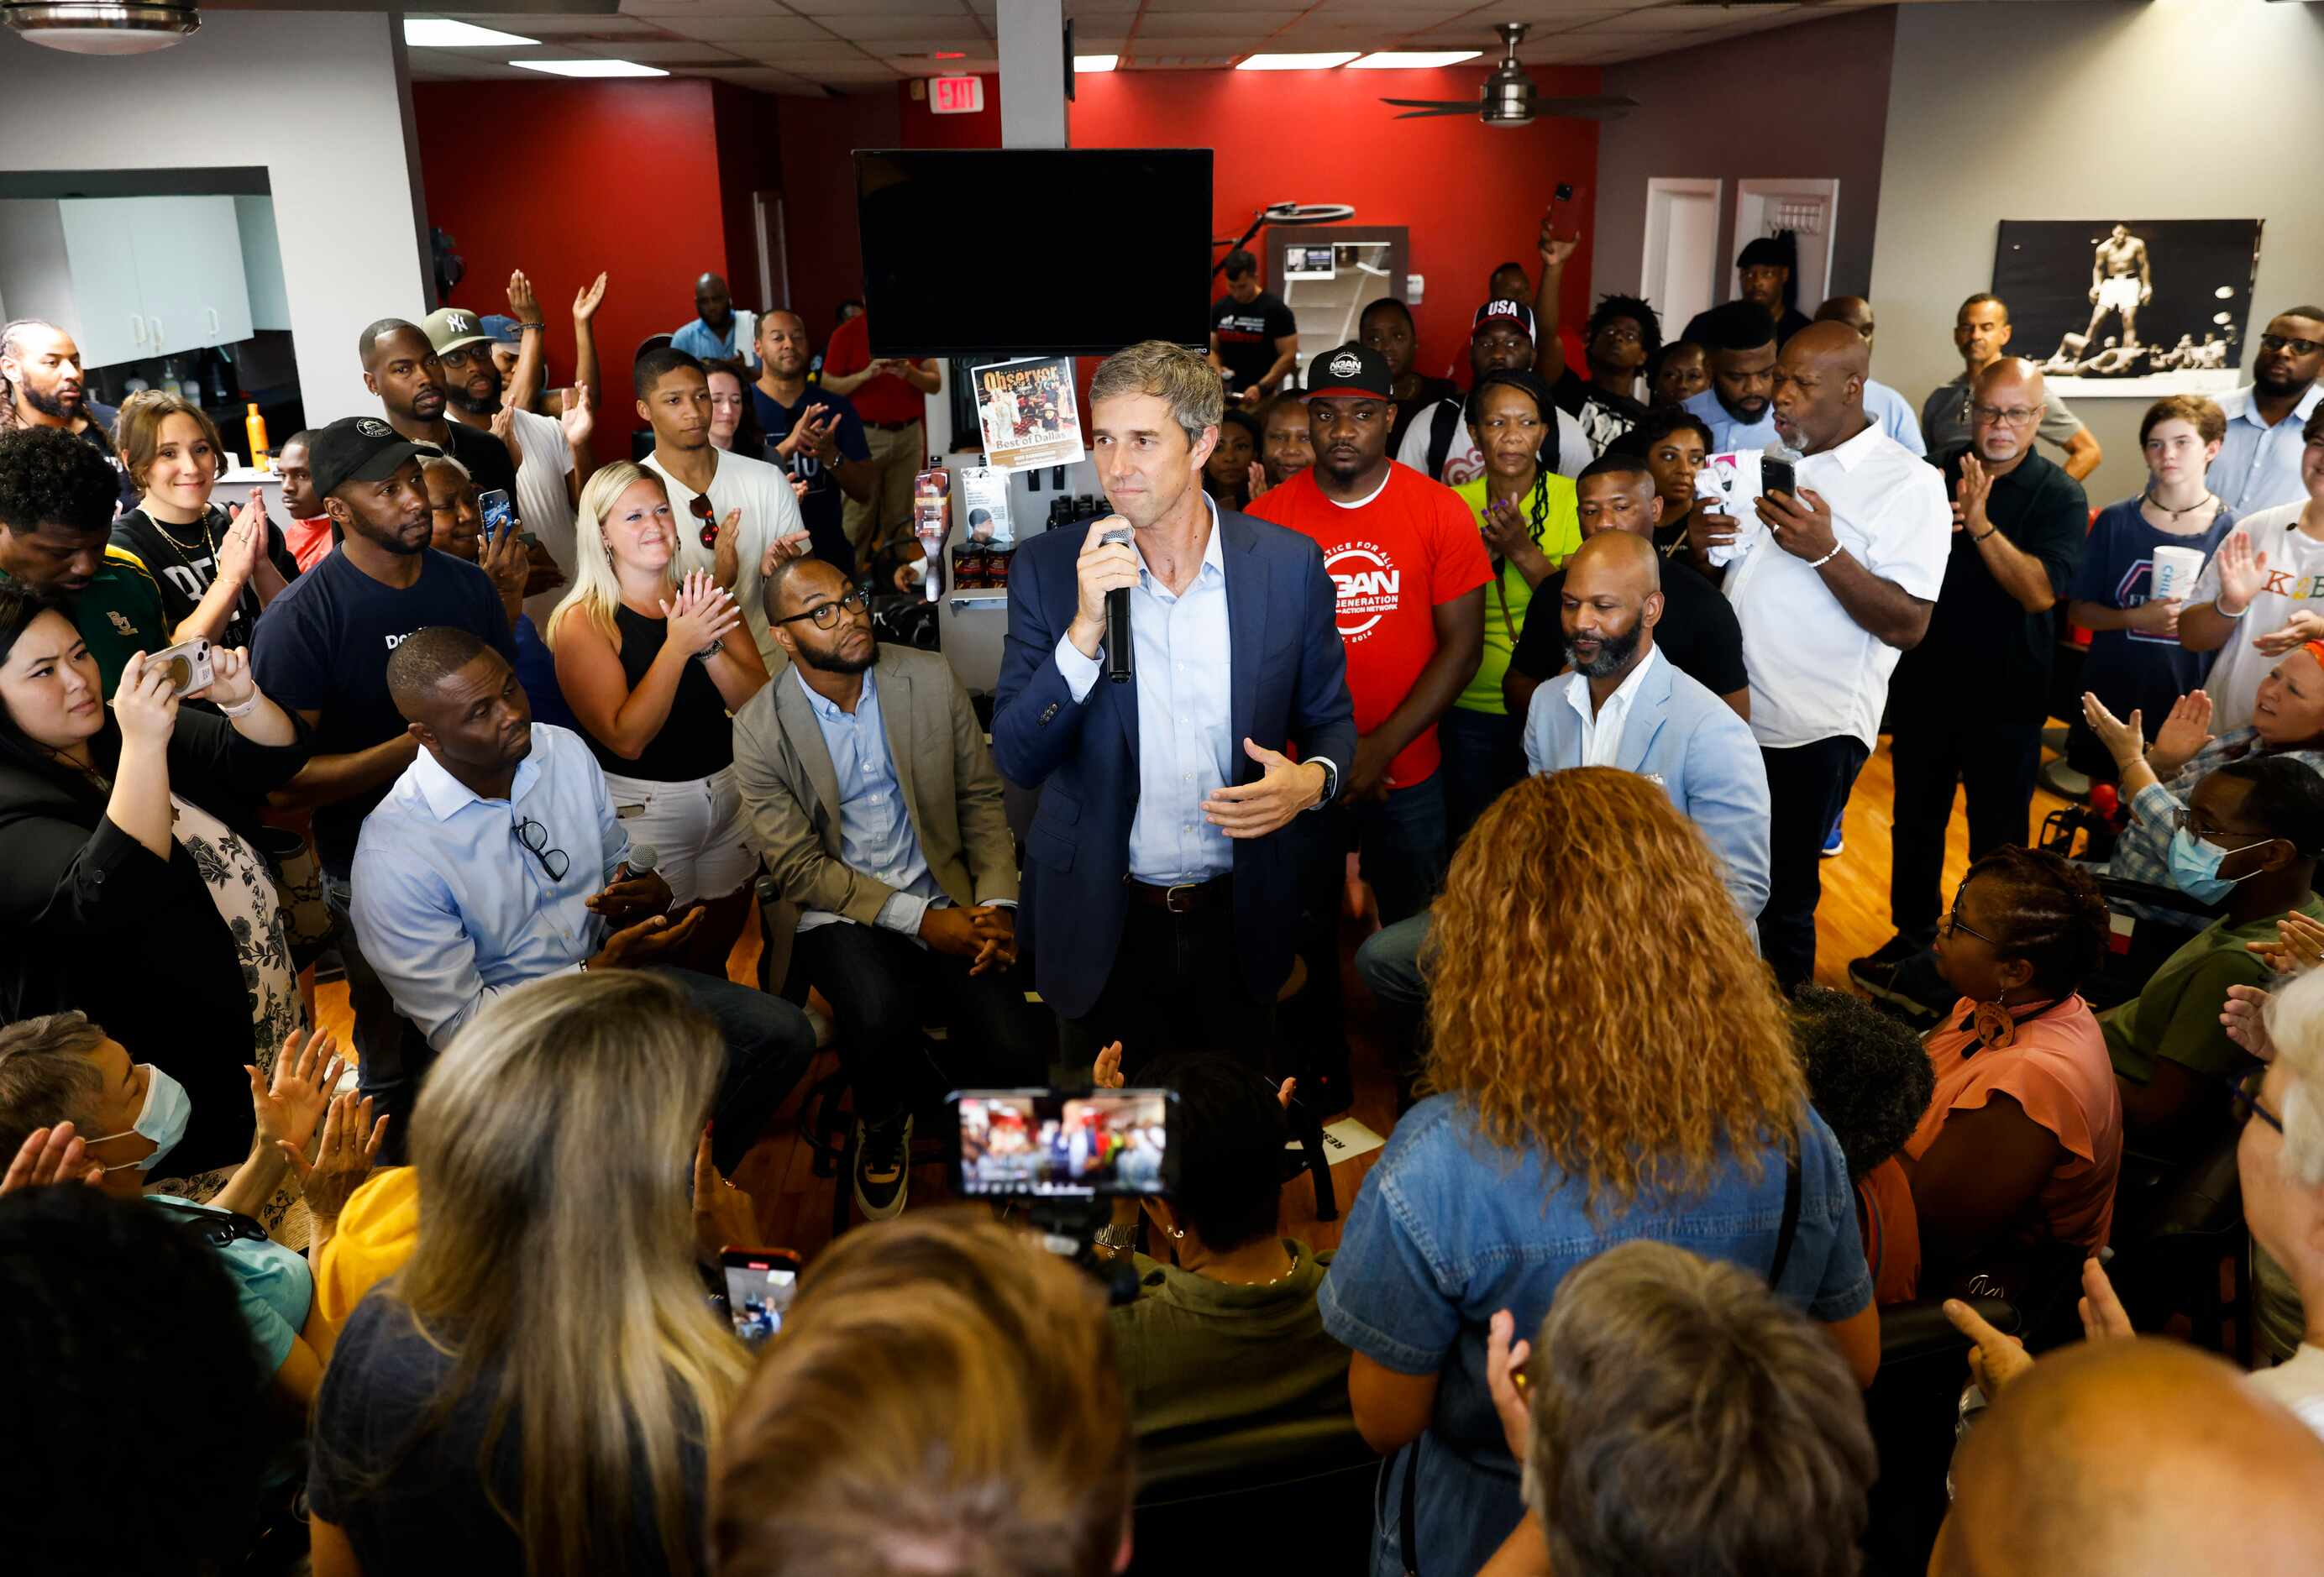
[
  {"x": 1394, "y": 559},
  {"x": 886, "y": 398}
]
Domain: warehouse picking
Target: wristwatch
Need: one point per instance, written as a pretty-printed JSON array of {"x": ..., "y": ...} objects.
[
  {"x": 1330, "y": 782},
  {"x": 1122, "y": 1240}
]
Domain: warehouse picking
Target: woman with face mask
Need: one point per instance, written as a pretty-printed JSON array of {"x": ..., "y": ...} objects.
[
  {"x": 68, "y": 1087},
  {"x": 2021, "y": 1145},
  {"x": 125, "y": 887}
]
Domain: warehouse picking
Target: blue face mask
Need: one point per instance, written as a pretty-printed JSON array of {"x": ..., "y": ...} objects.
[
  {"x": 163, "y": 1119},
  {"x": 2195, "y": 867}
]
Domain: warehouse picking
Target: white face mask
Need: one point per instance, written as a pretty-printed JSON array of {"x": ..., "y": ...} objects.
[{"x": 162, "y": 1119}]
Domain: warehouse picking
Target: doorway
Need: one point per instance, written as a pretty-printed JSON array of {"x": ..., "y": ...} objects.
[
  {"x": 1806, "y": 208},
  {"x": 1681, "y": 262}
]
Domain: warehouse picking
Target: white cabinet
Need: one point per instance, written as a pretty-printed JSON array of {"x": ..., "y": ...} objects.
[{"x": 156, "y": 276}]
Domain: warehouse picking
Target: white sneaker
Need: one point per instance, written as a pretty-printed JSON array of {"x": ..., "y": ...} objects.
[{"x": 883, "y": 1172}]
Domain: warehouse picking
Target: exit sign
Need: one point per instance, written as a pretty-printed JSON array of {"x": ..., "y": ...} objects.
[{"x": 956, "y": 95}]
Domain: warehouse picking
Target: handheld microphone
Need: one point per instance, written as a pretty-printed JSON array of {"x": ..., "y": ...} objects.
[
  {"x": 1118, "y": 648},
  {"x": 642, "y": 858}
]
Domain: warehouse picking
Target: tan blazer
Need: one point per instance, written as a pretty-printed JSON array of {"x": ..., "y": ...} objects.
[{"x": 952, "y": 791}]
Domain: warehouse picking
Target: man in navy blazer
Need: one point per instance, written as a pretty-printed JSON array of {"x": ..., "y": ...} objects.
[
  {"x": 1161, "y": 895},
  {"x": 1623, "y": 705}
]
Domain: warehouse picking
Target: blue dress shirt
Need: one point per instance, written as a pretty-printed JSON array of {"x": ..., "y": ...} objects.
[
  {"x": 1727, "y": 435},
  {"x": 450, "y": 905},
  {"x": 1184, "y": 657},
  {"x": 875, "y": 827},
  {"x": 1895, "y": 414},
  {"x": 697, "y": 340},
  {"x": 2258, "y": 466}
]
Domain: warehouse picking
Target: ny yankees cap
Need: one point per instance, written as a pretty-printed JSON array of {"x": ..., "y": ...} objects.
[{"x": 450, "y": 328}]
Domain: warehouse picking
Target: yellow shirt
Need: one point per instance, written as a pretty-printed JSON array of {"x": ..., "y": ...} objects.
[
  {"x": 376, "y": 1234},
  {"x": 1560, "y": 534}
]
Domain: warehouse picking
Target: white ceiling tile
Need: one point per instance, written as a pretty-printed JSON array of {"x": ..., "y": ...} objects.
[
  {"x": 1214, "y": 23},
  {"x": 662, "y": 8},
  {"x": 829, "y": 52},
  {"x": 528, "y": 26},
  {"x": 952, "y": 25},
  {"x": 656, "y": 51},
  {"x": 953, "y": 10},
  {"x": 725, "y": 30}
]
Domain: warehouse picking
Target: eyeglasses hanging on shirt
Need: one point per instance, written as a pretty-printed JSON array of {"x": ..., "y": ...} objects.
[{"x": 535, "y": 839}]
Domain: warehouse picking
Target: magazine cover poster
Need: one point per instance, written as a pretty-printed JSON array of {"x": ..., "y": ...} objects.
[
  {"x": 2135, "y": 308},
  {"x": 1026, "y": 411}
]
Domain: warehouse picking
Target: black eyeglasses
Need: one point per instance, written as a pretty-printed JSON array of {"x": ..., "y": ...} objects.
[
  {"x": 535, "y": 839},
  {"x": 2299, "y": 347},
  {"x": 1953, "y": 922},
  {"x": 700, "y": 507},
  {"x": 2245, "y": 1104},
  {"x": 827, "y": 614}
]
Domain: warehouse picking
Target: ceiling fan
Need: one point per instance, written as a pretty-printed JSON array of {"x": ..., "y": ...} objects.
[{"x": 1509, "y": 97}]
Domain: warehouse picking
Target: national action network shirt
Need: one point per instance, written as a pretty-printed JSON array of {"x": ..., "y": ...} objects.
[
  {"x": 1246, "y": 332},
  {"x": 1393, "y": 557}
]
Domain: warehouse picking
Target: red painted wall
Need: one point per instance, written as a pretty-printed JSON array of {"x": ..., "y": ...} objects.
[
  {"x": 818, "y": 183},
  {"x": 619, "y": 176}
]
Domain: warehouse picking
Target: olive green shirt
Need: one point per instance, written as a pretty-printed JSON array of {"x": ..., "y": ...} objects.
[
  {"x": 118, "y": 613},
  {"x": 1201, "y": 1359},
  {"x": 2177, "y": 1016}
]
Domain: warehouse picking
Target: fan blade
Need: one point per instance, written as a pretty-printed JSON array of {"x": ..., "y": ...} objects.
[
  {"x": 1421, "y": 114},
  {"x": 1591, "y": 107},
  {"x": 1445, "y": 105}
]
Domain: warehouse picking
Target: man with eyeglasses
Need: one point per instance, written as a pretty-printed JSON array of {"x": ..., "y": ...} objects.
[
  {"x": 1966, "y": 704},
  {"x": 322, "y": 650},
  {"x": 875, "y": 803},
  {"x": 496, "y": 858},
  {"x": 2258, "y": 465},
  {"x": 735, "y": 515},
  {"x": 1981, "y": 331}
]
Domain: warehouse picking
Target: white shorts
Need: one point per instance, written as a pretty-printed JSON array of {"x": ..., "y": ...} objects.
[
  {"x": 2118, "y": 294},
  {"x": 696, "y": 830}
]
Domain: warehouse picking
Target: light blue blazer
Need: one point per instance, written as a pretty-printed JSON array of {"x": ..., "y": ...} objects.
[{"x": 1689, "y": 742}]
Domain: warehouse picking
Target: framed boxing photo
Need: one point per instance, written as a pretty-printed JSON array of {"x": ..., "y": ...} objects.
[{"x": 2128, "y": 307}]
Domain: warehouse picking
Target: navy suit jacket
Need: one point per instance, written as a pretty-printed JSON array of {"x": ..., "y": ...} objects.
[{"x": 1287, "y": 686}]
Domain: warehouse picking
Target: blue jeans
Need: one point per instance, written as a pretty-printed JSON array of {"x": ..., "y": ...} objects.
[
  {"x": 1403, "y": 845},
  {"x": 1389, "y": 964},
  {"x": 768, "y": 1045}
]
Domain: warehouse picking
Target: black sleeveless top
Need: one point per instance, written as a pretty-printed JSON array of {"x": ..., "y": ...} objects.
[{"x": 697, "y": 739}]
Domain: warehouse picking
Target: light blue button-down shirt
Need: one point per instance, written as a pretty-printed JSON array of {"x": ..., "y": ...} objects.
[
  {"x": 1883, "y": 404},
  {"x": 697, "y": 340},
  {"x": 1185, "y": 681},
  {"x": 875, "y": 827},
  {"x": 2258, "y": 466},
  {"x": 452, "y": 908}
]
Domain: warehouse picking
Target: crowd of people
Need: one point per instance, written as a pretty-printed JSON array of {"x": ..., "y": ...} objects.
[{"x": 516, "y": 740}]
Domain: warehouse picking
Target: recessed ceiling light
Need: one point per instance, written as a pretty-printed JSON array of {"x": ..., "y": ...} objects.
[
  {"x": 1321, "y": 60},
  {"x": 1096, "y": 62},
  {"x": 437, "y": 32},
  {"x": 591, "y": 68},
  {"x": 1411, "y": 59}
]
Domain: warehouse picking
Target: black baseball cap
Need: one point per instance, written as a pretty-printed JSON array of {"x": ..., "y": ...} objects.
[
  {"x": 1352, "y": 372},
  {"x": 357, "y": 449}
]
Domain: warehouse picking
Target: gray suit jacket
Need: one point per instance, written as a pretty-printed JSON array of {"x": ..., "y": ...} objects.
[{"x": 936, "y": 747}]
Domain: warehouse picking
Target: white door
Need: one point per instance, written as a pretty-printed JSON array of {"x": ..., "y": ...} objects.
[
  {"x": 1804, "y": 207},
  {"x": 1681, "y": 262},
  {"x": 101, "y": 250}
]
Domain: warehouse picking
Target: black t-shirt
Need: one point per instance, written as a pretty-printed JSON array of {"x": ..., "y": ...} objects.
[
  {"x": 1789, "y": 323},
  {"x": 820, "y": 508},
  {"x": 99, "y": 435},
  {"x": 1246, "y": 333},
  {"x": 323, "y": 648},
  {"x": 485, "y": 456},
  {"x": 1431, "y": 390},
  {"x": 1698, "y": 632},
  {"x": 697, "y": 739},
  {"x": 1603, "y": 416},
  {"x": 1985, "y": 656},
  {"x": 183, "y": 562},
  {"x": 427, "y": 1508}
]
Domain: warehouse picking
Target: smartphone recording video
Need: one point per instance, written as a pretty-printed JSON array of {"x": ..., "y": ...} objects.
[
  {"x": 188, "y": 664},
  {"x": 1042, "y": 1143},
  {"x": 760, "y": 1286},
  {"x": 498, "y": 512}
]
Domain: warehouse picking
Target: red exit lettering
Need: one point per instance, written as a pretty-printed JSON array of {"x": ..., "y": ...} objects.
[{"x": 956, "y": 95}]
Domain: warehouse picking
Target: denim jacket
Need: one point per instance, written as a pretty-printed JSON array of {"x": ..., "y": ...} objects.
[{"x": 1450, "y": 1229}]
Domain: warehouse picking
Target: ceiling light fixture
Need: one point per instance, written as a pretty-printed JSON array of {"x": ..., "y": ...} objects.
[
  {"x": 1096, "y": 62},
  {"x": 591, "y": 68},
  {"x": 101, "y": 27},
  {"x": 1411, "y": 59},
  {"x": 438, "y": 33},
  {"x": 1321, "y": 61}
]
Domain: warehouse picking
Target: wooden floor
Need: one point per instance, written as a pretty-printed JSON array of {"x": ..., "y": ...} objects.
[{"x": 794, "y": 1205}]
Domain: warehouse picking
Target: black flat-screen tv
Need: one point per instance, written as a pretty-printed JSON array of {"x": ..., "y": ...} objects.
[{"x": 982, "y": 252}]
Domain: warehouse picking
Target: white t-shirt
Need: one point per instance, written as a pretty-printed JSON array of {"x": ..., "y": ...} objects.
[
  {"x": 2295, "y": 578},
  {"x": 770, "y": 511},
  {"x": 1462, "y": 463},
  {"x": 542, "y": 502},
  {"x": 2297, "y": 1383},
  {"x": 1815, "y": 672}
]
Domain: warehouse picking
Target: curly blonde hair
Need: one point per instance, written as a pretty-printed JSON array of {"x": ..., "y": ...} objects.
[{"x": 1594, "y": 995}]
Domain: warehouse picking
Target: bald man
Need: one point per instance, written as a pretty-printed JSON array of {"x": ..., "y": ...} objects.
[
  {"x": 1626, "y": 705},
  {"x": 2136, "y": 1458},
  {"x": 1968, "y": 703},
  {"x": 1883, "y": 404},
  {"x": 1981, "y": 332},
  {"x": 1832, "y": 582},
  {"x": 717, "y": 331}
]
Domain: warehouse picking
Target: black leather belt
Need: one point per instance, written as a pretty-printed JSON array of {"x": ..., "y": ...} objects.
[{"x": 1182, "y": 898}]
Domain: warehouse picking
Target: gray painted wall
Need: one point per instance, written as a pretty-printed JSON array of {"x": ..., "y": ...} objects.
[
  {"x": 1802, "y": 102},
  {"x": 2072, "y": 116}
]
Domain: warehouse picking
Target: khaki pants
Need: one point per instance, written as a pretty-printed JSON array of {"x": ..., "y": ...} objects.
[{"x": 897, "y": 457}]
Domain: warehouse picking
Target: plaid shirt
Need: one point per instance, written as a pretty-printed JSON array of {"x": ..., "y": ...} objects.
[{"x": 2142, "y": 852}]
